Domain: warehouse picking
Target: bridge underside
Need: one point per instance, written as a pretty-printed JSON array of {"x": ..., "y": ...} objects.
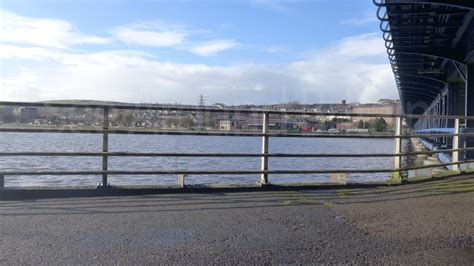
[{"x": 430, "y": 46}]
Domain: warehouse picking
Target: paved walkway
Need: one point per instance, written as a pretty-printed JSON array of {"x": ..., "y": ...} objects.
[{"x": 428, "y": 223}]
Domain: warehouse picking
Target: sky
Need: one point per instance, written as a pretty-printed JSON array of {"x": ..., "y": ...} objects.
[{"x": 232, "y": 52}]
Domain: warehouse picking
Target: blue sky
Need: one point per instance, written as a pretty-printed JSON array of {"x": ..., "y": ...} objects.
[{"x": 171, "y": 51}]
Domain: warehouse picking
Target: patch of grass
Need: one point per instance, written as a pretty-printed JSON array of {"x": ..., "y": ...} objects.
[
  {"x": 454, "y": 188},
  {"x": 328, "y": 204},
  {"x": 393, "y": 181},
  {"x": 418, "y": 178},
  {"x": 301, "y": 198},
  {"x": 342, "y": 193},
  {"x": 446, "y": 173},
  {"x": 310, "y": 201},
  {"x": 286, "y": 192},
  {"x": 466, "y": 189}
]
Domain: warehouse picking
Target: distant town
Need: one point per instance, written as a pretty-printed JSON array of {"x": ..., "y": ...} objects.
[{"x": 195, "y": 120}]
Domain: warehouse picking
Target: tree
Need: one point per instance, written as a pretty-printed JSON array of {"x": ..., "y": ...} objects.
[
  {"x": 327, "y": 124},
  {"x": 378, "y": 125},
  {"x": 360, "y": 124},
  {"x": 125, "y": 118},
  {"x": 186, "y": 121}
]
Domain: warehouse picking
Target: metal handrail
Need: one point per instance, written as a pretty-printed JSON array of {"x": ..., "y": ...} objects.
[
  {"x": 264, "y": 134},
  {"x": 218, "y": 110},
  {"x": 277, "y": 155},
  {"x": 223, "y": 133},
  {"x": 225, "y": 172}
]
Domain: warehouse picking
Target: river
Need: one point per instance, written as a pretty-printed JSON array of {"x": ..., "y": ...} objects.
[{"x": 42, "y": 142}]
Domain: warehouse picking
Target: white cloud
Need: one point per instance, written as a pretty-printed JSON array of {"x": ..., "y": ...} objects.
[
  {"x": 28, "y": 53},
  {"x": 100, "y": 59},
  {"x": 134, "y": 76},
  {"x": 54, "y": 33},
  {"x": 368, "y": 45},
  {"x": 213, "y": 47},
  {"x": 165, "y": 38},
  {"x": 354, "y": 68},
  {"x": 274, "y": 49},
  {"x": 159, "y": 34},
  {"x": 274, "y": 5},
  {"x": 361, "y": 21}
]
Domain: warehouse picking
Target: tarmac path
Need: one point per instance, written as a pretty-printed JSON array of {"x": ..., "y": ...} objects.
[{"x": 425, "y": 223}]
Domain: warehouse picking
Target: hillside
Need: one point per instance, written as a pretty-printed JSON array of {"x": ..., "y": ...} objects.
[{"x": 82, "y": 102}]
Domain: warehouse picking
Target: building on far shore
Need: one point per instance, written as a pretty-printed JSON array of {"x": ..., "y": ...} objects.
[
  {"x": 383, "y": 106},
  {"x": 273, "y": 123},
  {"x": 345, "y": 125},
  {"x": 230, "y": 122}
]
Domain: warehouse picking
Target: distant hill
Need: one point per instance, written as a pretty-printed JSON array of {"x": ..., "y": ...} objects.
[{"x": 83, "y": 102}]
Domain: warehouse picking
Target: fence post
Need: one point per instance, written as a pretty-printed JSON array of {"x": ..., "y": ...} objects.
[
  {"x": 182, "y": 180},
  {"x": 105, "y": 146},
  {"x": 397, "y": 161},
  {"x": 2, "y": 181},
  {"x": 264, "y": 165},
  {"x": 455, "y": 154}
]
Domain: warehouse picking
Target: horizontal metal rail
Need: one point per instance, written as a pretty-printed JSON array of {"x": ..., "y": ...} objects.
[
  {"x": 222, "y": 133},
  {"x": 224, "y": 172},
  {"x": 218, "y": 110},
  {"x": 276, "y": 155},
  {"x": 105, "y": 130}
]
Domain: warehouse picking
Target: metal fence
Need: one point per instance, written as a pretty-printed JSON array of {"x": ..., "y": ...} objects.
[{"x": 398, "y": 135}]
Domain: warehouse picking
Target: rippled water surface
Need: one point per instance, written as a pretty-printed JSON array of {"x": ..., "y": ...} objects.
[{"x": 141, "y": 143}]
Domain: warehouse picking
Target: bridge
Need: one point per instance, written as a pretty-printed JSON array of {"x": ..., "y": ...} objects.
[
  {"x": 430, "y": 47},
  {"x": 402, "y": 221}
]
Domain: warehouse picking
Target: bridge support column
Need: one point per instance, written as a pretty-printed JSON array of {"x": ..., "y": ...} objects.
[
  {"x": 469, "y": 108},
  {"x": 454, "y": 101},
  {"x": 454, "y": 107}
]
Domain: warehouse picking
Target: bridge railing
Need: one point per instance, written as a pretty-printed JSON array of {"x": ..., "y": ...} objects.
[{"x": 397, "y": 171}]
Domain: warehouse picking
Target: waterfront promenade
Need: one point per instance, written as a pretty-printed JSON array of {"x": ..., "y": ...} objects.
[{"x": 431, "y": 222}]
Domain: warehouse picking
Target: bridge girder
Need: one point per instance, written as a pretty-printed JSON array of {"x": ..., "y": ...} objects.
[{"x": 465, "y": 4}]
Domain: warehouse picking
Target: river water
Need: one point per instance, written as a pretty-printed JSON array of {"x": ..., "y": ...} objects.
[{"x": 160, "y": 143}]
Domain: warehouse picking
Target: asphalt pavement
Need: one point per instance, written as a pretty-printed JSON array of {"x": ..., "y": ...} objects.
[{"x": 426, "y": 223}]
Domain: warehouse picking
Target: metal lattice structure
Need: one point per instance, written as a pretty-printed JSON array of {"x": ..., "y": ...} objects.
[{"x": 429, "y": 45}]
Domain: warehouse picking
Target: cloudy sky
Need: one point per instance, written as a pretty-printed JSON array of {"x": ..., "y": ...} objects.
[{"x": 232, "y": 52}]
